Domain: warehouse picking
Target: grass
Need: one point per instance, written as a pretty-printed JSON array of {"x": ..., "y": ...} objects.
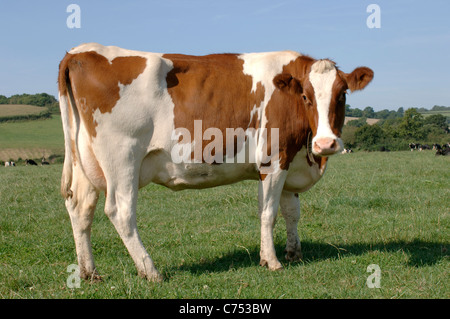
[
  {"x": 8, "y": 110},
  {"x": 428, "y": 113},
  {"x": 31, "y": 139},
  {"x": 389, "y": 209}
]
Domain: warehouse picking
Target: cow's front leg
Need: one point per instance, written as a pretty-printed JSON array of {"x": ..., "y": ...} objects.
[
  {"x": 290, "y": 209},
  {"x": 270, "y": 189}
]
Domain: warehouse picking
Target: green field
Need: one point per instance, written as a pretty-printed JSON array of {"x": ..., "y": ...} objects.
[
  {"x": 388, "y": 209},
  {"x": 31, "y": 139},
  {"x": 8, "y": 110},
  {"x": 444, "y": 113}
]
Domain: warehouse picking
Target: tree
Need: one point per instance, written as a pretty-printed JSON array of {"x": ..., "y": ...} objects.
[
  {"x": 412, "y": 124},
  {"x": 437, "y": 120},
  {"x": 370, "y": 137},
  {"x": 368, "y": 112},
  {"x": 358, "y": 122},
  {"x": 357, "y": 112}
]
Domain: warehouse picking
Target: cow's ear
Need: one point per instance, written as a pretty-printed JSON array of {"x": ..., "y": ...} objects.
[
  {"x": 359, "y": 78},
  {"x": 287, "y": 83}
]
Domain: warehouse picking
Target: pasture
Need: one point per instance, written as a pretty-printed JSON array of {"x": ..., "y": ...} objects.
[
  {"x": 8, "y": 110},
  {"x": 387, "y": 209},
  {"x": 31, "y": 139}
]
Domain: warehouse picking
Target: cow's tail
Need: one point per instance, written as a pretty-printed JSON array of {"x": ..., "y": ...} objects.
[{"x": 70, "y": 121}]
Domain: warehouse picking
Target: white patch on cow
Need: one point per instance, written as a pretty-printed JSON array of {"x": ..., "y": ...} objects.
[
  {"x": 301, "y": 175},
  {"x": 322, "y": 77},
  {"x": 109, "y": 52}
]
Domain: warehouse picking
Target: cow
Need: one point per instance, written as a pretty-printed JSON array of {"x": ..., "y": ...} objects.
[
  {"x": 128, "y": 115},
  {"x": 445, "y": 150},
  {"x": 7, "y": 164},
  {"x": 346, "y": 151},
  {"x": 30, "y": 161},
  {"x": 414, "y": 146},
  {"x": 44, "y": 162}
]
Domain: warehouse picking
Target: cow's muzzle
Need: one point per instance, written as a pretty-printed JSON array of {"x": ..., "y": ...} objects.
[{"x": 326, "y": 146}]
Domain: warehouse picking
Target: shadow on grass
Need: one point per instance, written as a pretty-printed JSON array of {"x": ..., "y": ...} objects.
[{"x": 420, "y": 254}]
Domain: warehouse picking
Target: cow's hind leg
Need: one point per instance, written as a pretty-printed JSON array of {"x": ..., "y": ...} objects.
[
  {"x": 81, "y": 207},
  {"x": 290, "y": 209},
  {"x": 120, "y": 207}
]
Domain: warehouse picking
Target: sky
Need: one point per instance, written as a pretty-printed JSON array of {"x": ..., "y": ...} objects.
[{"x": 408, "y": 49}]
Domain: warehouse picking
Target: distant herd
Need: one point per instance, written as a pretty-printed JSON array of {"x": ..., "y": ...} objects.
[
  {"x": 440, "y": 149},
  {"x": 28, "y": 162}
]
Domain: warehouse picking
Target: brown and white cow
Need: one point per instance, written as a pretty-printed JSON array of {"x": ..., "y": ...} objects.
[{"x": 124, "y": 112}]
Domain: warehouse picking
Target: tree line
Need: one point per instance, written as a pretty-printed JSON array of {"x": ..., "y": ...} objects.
[
  {"x": 40, "y": 99},
  {"x": 395, "y": 133},
  {"x": 369, "y": 112}
]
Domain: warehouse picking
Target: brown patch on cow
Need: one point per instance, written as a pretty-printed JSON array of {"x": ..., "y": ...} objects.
[
  {"x": 288, "y": 112},
  {"x": 94, "y": 82},
  {"x": 215, "y": 90}
]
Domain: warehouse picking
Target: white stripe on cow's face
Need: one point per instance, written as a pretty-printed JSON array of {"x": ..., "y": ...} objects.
[{"x": 322, "y": 77}]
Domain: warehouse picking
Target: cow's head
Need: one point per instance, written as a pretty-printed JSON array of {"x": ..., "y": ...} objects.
[{"x": 322, "y": 88}]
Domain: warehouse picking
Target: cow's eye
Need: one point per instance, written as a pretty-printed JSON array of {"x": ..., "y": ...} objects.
[{"x": 305, "y": 99}]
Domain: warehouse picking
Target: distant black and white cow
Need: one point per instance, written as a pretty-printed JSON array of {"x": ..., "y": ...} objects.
[
  {"x": 347, "y": 151},
  {"x": 413, "y": 146},
  {"x": 443, "y": 151},
  {"x": 30, "y": 161},
  {"x": 437, "y": 147},
  {"x": 44, "y": 162}
]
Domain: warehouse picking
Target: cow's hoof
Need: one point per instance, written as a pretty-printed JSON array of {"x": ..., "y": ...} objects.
[
  {"x": 293, "y": 256},
  {"x": 153, "y": 277},
  {"x": 271, "y": 266},
  {"x": 92, "y": 277}
]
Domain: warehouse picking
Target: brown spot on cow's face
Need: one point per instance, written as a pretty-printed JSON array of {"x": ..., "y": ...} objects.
[
  {"x": 215, "y": 90},
  {"x": 95, "y": 82}
]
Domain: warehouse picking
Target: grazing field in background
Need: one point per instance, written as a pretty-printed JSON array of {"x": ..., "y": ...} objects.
[
  {"x": 31, "y": 139},
  {"x": 389, "y": 209},
  {"x": 8, "y": 110}
]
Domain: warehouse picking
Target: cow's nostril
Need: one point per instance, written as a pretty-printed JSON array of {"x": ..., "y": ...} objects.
[{"x": 325, "y": 146}]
